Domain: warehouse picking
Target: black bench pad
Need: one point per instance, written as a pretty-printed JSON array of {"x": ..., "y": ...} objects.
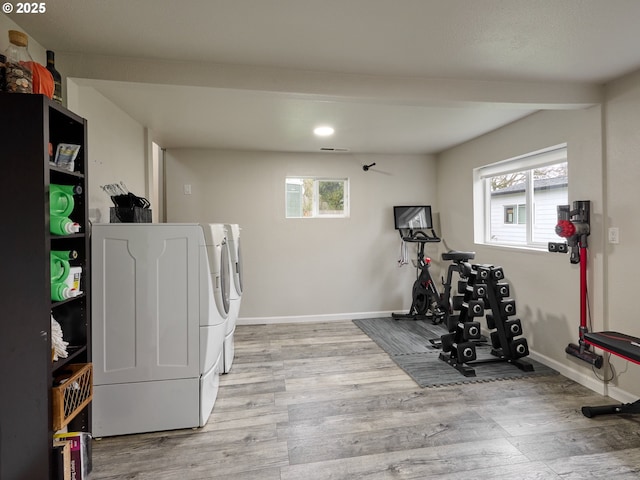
[{"x": 616, "y": 343}]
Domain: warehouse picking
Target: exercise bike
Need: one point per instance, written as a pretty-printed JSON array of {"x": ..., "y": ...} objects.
[{"x": 426, "y": 301}]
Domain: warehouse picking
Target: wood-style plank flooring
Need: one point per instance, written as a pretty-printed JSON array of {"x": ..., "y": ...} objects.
[{"x": 322, "y": 401}]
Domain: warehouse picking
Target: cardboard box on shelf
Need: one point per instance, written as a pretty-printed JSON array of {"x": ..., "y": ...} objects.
[{"x": 80, "y": 453}]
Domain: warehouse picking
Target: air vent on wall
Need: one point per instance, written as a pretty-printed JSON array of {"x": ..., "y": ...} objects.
[{"x": 329, "y": 149}]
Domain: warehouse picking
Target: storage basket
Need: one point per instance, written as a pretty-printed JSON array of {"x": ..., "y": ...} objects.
[
  {"x": 129, "y": 215},
  {"x": 70, "y": 397}
]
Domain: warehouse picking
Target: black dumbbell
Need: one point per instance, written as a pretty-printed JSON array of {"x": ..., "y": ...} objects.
[
  {"x": 447, "y": 342},
  {"x": 452, "y": 322},
  {"x": 475, "y": 308},
  {"x": 466, "y": 352},
  {"x": 508, "y": 307},
  {"x": 519, "y": 348},
  {"x": 483, "y": 273},
  {"x": 457, "y": 301},
  {"x": 479, "y": 290},
  {"x": 462, "y": 286},
  {"x": 497, "y": 273},
  {"x": 470, "y": 330},
  {"x": 513, "y": 327},
  {"x": 502, "y": 289}
]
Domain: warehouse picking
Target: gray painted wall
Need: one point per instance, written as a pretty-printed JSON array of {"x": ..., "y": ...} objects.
[{"x": 306, "y": 268}]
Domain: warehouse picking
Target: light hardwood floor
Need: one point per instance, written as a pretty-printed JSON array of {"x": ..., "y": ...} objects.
[{"x": 322, "y": 401}]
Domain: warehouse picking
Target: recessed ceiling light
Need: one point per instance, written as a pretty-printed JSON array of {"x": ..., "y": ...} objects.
[{"x": 323, "y": 131}]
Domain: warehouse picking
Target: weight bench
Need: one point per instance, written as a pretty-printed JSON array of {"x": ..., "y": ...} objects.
[{"x": 620, "y": 345}]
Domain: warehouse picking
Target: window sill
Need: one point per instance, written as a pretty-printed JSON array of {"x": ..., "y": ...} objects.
[{"x": 514, "y": 248}]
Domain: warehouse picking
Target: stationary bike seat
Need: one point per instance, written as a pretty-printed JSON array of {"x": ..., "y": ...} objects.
[{"x": 456, "y": 256}]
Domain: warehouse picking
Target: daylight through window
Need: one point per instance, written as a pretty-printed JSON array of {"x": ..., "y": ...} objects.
[
  {"x": 310, "y": 197},
  {"x": 515, "y": 201}
]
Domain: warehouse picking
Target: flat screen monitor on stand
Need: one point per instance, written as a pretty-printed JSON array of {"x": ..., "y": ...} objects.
[{"x": 409, "y": 220}]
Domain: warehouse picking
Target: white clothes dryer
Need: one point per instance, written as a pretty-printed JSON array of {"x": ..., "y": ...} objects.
[
  {"x": 235, "y": 297},
  {"x": 213, "y": 321}
]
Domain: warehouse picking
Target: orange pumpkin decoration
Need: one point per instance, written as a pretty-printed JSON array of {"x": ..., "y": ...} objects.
[{"x": 42, "y": 79}]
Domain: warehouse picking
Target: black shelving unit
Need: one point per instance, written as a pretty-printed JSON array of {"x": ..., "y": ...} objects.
[{"x": 29, "y": 124}]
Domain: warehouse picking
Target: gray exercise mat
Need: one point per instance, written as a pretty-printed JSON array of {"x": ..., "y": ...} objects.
[{"x": 407, "y": 343}]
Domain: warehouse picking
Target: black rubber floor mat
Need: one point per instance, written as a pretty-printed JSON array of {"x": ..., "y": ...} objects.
[{"x": 408, "y": 344}]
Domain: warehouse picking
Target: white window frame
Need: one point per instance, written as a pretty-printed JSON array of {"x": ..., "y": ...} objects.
[
  {"x": 482, "y": 193},
  {"x": 316, "y": 212}
]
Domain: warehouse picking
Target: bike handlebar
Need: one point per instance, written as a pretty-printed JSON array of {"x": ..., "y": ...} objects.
[{"x": 421, "y": 237}]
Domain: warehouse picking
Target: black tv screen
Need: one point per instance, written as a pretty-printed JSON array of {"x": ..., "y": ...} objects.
[{"x": 416, "y": 217}]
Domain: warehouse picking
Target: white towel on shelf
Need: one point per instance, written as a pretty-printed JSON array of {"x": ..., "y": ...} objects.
[{"x": 58, "y": 345}]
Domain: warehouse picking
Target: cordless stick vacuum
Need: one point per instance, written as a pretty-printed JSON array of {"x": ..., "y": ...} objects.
[{"x": 574, "y": 226}]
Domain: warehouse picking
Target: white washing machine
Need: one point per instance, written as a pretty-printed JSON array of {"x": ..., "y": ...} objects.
[
  {"x": 159, "y": 324},
  {"x": 235, "y": 255}
]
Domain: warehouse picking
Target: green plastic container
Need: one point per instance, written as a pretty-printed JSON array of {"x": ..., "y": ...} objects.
[
  {"x": 61, "y": 201},
  {"x": 60, "y": 264}
]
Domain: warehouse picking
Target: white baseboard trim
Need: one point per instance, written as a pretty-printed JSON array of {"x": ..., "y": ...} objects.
[
  {"x": 332, "y": 317},
  {"x": 621, "y": 395},
  {"x": 584, "y": 379}
]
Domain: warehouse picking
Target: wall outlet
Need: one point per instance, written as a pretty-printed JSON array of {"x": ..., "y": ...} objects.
[
  {"x": 614, "y": 235},
  {"x": 187, "y": 189}
]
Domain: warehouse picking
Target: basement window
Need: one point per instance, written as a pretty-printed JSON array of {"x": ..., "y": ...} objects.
[
  {"x": 516, "y": 200},
  {"x": 313, "y": 197}
]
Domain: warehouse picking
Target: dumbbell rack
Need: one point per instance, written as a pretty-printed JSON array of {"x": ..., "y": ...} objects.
[{"x": 484, "y": 289}]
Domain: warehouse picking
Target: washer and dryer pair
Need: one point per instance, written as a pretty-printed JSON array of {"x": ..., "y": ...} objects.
[{"x": 165, "y": 304}]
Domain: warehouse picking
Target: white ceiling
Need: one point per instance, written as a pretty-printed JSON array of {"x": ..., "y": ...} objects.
[{"x": 523, "y": 45}]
